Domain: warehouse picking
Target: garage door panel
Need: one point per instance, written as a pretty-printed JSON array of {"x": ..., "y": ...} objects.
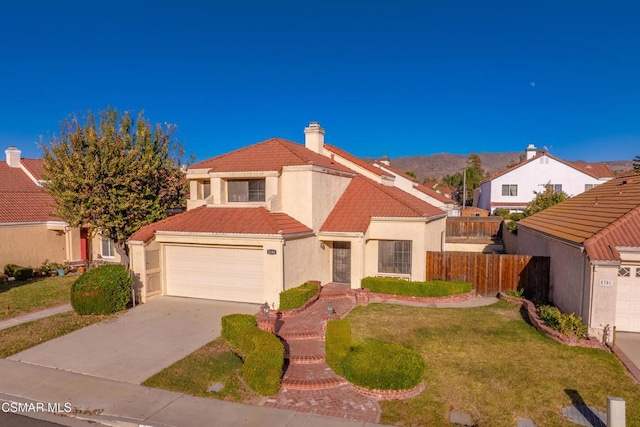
[
  {"x": 628, "y": 302},
  {"x": 230, "y": 274}
]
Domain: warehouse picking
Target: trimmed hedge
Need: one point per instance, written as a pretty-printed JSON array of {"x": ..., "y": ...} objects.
[
  {"x": 436, "y": 288},
  {"x": 381, "y": 365},
  {"x": 297, "y": 297},
  {"x": 262, "y": 352},
  {"x": 23, "y": 273},
  {"x": 3, "y": 278},
  {"x": 338, "y": 343},
  {"x": 9, "y": 269},
  {"x": 103, "y": 290},
  {"x": 375, "y": 365}
]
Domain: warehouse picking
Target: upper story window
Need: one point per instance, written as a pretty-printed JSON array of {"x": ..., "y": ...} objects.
[
  {"x": 556, "y": 187},
  {"x": 544, "y": 160},
  {"x": 204, "y": 189},
  {"x": 246, "y": 190},
  {"x": 588, "y": 186},
  {"x": 509, "y": 189}
]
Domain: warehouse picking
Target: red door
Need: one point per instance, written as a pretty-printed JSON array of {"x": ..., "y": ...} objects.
[{"x": 84, "y": 244}]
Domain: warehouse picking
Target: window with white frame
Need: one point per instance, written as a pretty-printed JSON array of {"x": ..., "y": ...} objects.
[
  {"x": 107, "y": 249},
  {"x": 588, "y": 186},
  {"x": 556, "y": 187},
  {"x": 544, "y": 160},
  {"x": 246, "y": 190},
  {"x": 509, "y": 189},
  {"x": 394, "y": 256}
]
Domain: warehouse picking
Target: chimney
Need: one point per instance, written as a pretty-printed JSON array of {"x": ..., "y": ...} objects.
[
  {"x": 384, "y": 160},
  {"x": 314, "y": 137},
  {"x": 531, "y": 151},
  {"x": 13, "y": 156}
]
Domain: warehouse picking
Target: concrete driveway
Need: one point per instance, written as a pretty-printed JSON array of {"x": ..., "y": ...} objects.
[
  {"x": 629, "y": 343},
  {"x": 139, "y": 343}
]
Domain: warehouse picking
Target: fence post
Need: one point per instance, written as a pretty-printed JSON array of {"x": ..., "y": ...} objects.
[{"x": 615, "y": 412}]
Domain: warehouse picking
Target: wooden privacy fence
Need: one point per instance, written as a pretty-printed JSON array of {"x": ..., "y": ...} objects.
[
  {"x": 474, "y": 227},
  {"x": 492, "y": 273}
]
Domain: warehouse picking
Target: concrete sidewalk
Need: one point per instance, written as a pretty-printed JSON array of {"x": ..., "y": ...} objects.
[
  {"x": 116, "y": 403},
  {"x": 30, "y": 317}
]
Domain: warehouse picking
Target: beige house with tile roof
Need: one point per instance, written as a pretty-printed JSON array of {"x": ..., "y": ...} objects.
[
  {"x": 30, "y": 234},
  {"x": 593, "y": 240},
  {"x": 270, "y": 216},
  {"x": 514, "y": 188}
]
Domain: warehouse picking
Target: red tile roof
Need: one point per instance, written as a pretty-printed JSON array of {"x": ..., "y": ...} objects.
[
  {"x": 21, "y": 200},
  {"x": 365, "y": 199},
  {"x": 353, "y": 159},
  {"x": 379, "y": 165},
  {"x": 595, "y": 170},
  {"x": 602, "y": 218},
  {"x": 222, "y": 220},
  {"x": 270, "y": 155},
  {"x": 432, "y": 193},
  {"x": 35, "y": 167}
]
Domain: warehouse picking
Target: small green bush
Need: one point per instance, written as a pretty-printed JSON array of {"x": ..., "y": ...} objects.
[
  {"x": 338, "y": 343},
  {"x": 436, "y": 288},
  {"x": 504, "y": 213},
  {"x": 383, "y": 366},
  {"x": 567, "y": 324},
  {"x": 3, "y": 278},
  {"x": 261, "y": 352},
  {"x": 23, "y": 273},
  {"x": 9, "y": 269},
  {"x": 297, "y": 297},
  {"x": 515, "y": 294},
  {"x": 516, "y": 216},
  {"x": 103, "y": 290}
]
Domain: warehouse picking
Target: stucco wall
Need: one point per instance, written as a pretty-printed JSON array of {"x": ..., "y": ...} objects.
[
  {"x": 304, "y": 260},
  {"x": 569, "y": 270},
  {"x": 31, "y": 245},
  {"x": 603, "y": 306}
]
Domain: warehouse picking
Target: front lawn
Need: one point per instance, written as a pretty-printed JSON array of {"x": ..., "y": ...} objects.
[
  {"x": 490, "y": 363},
  {"x": 27, "y": 335},
  {"x": 212, "y": 363},
  {"x": 18, "y": 298}
]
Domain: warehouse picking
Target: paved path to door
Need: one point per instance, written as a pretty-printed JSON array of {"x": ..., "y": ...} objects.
[{"x": 139, "y": 343}]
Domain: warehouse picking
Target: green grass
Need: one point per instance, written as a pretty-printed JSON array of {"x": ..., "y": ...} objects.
[
  {"x": 490, "y": 363},
  {"x": 27, "y": 335},
  {"x": 212, "y": 363},
  {"x": 18, "y": 298}
]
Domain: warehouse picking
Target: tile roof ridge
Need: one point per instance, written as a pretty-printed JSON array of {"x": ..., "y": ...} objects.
[
  {"x": 355, "y": 159},
  {"x": 238, "y": 150},
  {"x": 386, "y": 189},
  {"x": 615, "y": 224},
  {"x": 398, "y": 171},
  {"x": 285, "y": 144}
]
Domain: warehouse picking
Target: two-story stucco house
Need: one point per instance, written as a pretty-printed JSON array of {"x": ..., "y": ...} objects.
[
  {"x": 30, "y": 234},
  {"x": 513, "y": 188},
  {"x": 270, "y": 216},
  {"x": 593, "y": 240}
]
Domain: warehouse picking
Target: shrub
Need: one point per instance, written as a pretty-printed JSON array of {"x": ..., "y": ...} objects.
[
  {"x": 102, "y": 290},
  {"x": 297, "y": 297},
  {"x": 504, "y": 213},
  {"x": 23, "y": 273},
  {"x": 436, "y": 288},
  {"x": 515, "y": 294},
  {"x": 516, "y": 216},
  {"x": 567, "y": 324},
  {"x": 3, "y": 278},
  {"x": 262, "y": 352},
  {"x": 383, "y": 366},
  {"x": 338, "y": 343},
  {"x": 9, "y": 269}
]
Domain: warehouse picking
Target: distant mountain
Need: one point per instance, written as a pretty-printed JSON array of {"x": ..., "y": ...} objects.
[{"x": 436, "y": 166}]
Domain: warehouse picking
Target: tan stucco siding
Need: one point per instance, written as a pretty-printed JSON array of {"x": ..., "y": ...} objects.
[
  {"x": 295, "y": 186},
  {"x": 327, "y": 190},
  {"x": 603, "y": 304},
  {"x": 31, "y": 245},
  {"x": 304, "y": 259}
]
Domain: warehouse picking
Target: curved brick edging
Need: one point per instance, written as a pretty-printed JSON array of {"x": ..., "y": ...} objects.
[
  {"x": 532, "y": 312},
  {"x": 390, "y": 394},
  {"x": 375, "y": 296}
]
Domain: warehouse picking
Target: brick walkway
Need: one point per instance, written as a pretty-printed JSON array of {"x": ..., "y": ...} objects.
[{"x": 309, "y": 385}]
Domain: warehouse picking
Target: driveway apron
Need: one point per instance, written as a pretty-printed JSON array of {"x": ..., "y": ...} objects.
[{"x": 139, "y": 343}]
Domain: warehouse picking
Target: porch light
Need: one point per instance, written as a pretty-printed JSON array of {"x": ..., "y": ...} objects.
[
  {"x": 329, "y": 308},
  {"x": 265, "y": 309}
]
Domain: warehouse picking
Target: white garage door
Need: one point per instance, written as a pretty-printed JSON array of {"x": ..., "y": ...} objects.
[
  {"x": 628, "y": 299},
  {"x": 229, "y": 274}
]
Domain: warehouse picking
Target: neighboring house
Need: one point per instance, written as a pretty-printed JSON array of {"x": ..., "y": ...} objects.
[
  {"x": 473, "y": 211},
  {"x": 270, "y": 216},
  {"x": 446, "y": 191},
  {"x": 30, "y": 234},
  {"x": 593, "y": 240},
  {"x": 513, "y": 188},
  {"x": 412, "y": 186}
]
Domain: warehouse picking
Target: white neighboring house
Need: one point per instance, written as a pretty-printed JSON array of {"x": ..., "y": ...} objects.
[{"x": 513, "y": 188}]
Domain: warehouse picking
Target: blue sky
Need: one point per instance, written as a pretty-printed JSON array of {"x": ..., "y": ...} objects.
[{"x": 397, "y": 78}]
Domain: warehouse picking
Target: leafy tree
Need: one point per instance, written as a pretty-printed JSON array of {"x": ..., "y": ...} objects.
[
  {"x": 515, "y": 162},
  {"x": 544, "y": 200},
  {"x": 636, "y": 163},
  {"x": 412, "y": 174},
  {"x": 113, "y": 175},
  {"x": 474, "y": 175}
]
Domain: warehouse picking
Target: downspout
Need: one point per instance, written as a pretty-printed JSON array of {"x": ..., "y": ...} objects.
[
  {"x": 362, "y": 261},
  {"x": 592, "y": 269}
]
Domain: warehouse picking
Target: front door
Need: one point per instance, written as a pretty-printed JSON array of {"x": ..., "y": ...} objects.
[{"x": 342, "y": 262}]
